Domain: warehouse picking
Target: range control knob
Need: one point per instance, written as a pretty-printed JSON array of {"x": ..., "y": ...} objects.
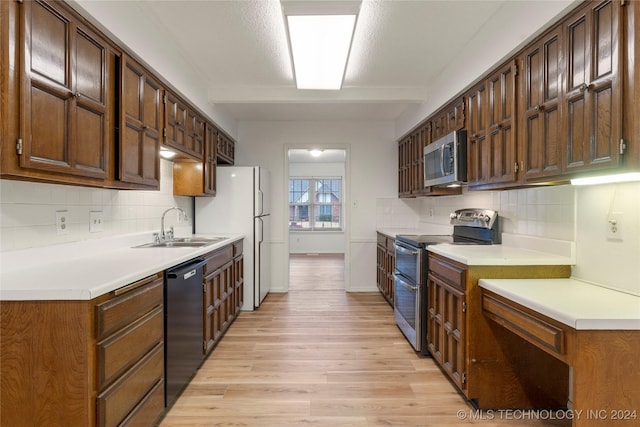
[
  {"x": 485, "y": 218},
  {"x": 453, "y": 215}
]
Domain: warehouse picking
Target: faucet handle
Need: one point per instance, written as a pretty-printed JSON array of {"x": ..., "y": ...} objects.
[
  {"x": 170, "y": 233},
  {"x": 156, "y": 237}
]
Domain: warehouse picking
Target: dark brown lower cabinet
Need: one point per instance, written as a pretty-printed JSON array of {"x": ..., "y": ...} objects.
[
  {"x": 89, "y": 363},
  {"x": 476, "y": 354},
  {"x": 223, "y": 285}
]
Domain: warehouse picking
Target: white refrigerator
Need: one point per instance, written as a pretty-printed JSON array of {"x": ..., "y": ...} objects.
[{"x": 242, "y": 205}]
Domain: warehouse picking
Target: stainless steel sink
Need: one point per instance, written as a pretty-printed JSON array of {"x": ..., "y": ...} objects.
[{"x": 183, "y": 242}]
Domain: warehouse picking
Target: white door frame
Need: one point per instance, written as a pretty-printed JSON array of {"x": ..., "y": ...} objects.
[{"x": 346, "y": 217}]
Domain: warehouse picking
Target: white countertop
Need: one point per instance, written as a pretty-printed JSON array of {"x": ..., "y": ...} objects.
[
  {"x": 514, "y": 250},
  {"x": 88, "y": 269},
  {"x": 497, "y": 255},
  {"x": 578, "y": 304}
]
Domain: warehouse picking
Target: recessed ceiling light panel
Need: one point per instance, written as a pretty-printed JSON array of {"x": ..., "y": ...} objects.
[{"x": 320, "y": 47}]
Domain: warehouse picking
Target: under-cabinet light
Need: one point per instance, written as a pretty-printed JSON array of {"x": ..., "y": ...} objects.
[
  {"x": 320, "y": 47},
  {"x": 607, "y": 179},
  {"x": 316, "y": 153},
  {"x": 166, "y": 153}
]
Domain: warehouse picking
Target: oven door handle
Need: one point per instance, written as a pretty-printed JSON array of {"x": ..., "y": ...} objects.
[
  {"x": 405, "y": 250},
  {"x": 405, "y": 284}
]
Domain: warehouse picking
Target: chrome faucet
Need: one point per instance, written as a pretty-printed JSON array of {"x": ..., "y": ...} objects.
[{"x": 162, "y": 236}]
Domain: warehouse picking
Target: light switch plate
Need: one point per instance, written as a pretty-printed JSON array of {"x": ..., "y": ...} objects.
[{"x": 95, "y": 222}]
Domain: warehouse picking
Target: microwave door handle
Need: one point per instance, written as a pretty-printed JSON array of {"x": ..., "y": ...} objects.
[{"x": 442, "y": 160}]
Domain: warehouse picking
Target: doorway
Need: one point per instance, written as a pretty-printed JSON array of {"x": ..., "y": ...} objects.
[{"x": 316, "y": 227}]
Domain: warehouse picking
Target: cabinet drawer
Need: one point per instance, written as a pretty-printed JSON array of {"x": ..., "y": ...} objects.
[
  {"x": 532, "y": 328},
  {"x": 120, "y": 311},
  {"x": 452, "y": 274},
  {"x": 118, "y": 352},
  {"x": 115, "y": 403},
  {"x": 217, "y": 258},
  {"x": 148, "y": 411}
]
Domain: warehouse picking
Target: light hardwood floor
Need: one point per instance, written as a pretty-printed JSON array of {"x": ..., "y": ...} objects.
[
  {"x": 316, "y": 272},
  {"x": 323, "y": 358}
]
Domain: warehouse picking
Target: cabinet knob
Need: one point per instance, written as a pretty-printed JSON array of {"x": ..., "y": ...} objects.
[
  {"x": 583, "y": 87},
  {"x": 538, "y": 107},
  {"x": 77, "y": 95}
]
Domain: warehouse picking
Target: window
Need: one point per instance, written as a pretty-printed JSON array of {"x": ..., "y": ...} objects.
[{"x": 315, "y": 204}]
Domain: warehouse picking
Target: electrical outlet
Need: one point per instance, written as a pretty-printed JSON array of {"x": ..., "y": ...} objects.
[
  {"x": 62, "y": 222},
  {"x": 614, "y": 226},
  {"x": 95, "y": 221}
]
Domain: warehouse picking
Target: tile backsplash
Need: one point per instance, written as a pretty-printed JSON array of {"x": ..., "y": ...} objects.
[
  {"x": 28, "y": 211},
  {"x": 565, "y": 212}
]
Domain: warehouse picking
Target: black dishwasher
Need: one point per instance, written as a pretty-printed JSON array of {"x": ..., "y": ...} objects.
[{"x": 183, "y": 326}]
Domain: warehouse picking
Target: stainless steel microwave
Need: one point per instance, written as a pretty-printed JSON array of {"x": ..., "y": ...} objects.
[{"x": 445, "y": 160}]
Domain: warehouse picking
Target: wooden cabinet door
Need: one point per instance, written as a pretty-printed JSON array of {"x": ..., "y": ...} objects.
[
  {"x": 435, "y": 307},
  {"x": 541, "y": 123},
  {"x": 194, "y": 141},
  {"x": 501, "y": 142},
  {"x": 404, "y": 167},
  {"x": 141, "y": 107},
  {"x": 175, "y": 122},
  {"x": 66, "y": 119},
  {"x": 215, "y": 311},
  {"x": 453, "y": 326},
  {"x": 209, "y": 164},
  {"x": 593, "y": 91},
  {"x": 476, "y": 133}
]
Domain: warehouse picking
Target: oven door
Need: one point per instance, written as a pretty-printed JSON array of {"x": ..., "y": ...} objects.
[
  {"x": 408, "y": 261},
  {"x": 406, "y": 309}
]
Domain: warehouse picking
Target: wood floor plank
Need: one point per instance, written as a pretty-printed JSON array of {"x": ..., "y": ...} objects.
[{"x": 324, "y": 358}]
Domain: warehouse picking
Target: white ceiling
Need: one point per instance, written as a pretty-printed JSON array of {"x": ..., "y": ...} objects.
[{"x": 239, "y": 50}]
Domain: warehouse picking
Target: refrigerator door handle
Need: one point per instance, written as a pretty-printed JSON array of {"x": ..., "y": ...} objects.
[
  {"x": 261, "y": 230},
  {"x": 261, "y": 195}
]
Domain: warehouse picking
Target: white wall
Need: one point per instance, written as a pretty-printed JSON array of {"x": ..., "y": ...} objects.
[
  {"x": 327, "y": 242},
  {"x": 370, "y": 174},
  {"x": 28, "y": 211}
]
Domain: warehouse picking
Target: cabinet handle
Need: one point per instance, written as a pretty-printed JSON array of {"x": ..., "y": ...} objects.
[
  {"x": 496, "y": 126},
  {"x": 474, "y": 137},
  {"x": 178, "y": 123},
  {"x": 583, "y": 87},
  {"x": 77, "y": 95},
  {"x": 538, "y": 107}
]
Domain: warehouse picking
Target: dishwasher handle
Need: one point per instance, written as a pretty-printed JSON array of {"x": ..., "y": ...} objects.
[{"x": 186, "y": 270}]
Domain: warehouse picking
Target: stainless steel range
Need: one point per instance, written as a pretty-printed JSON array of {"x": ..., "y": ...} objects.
[{"x": 470, "y": 227}]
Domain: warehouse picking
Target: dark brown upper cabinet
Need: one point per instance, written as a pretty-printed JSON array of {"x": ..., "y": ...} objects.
[
  {"x": 501, "y": 167},
  {"x": 67, "y": 94},
  {"x": 593, "y": 99},
  {"x": 541, "y": 126},
  {"x": 193, "y": 178},
  {"x": 476, "y": 120},
  {"x": 141, "y": 126},
  {"x": 184, "y": 128}
]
